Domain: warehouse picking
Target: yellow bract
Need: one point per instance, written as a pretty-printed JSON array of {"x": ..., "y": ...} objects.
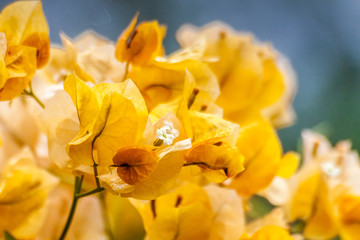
[
  {"x": 349, "y": 210},
  {"x": 289, "y": 164},
  {"x": 172, "y": 216},
  {"x": 134, "y": 164},
  {"x": 325, "y": 190},
  {"x": 213, "y": 137},
  {"x": 24, "y": 44},
  {"x": 228, "y": 221},
  {"x": 142, "y": 44},
  {"x": 111, "y": 116},
  {"x": 154, "y": 181},
  {"x": 206, "y": 126},
  {"x": 24, "y": 189},
  {"x": 145, "y": 171},
  {"x": 192, "y": 212},
  {"x": 261, "y": 149},
  {"x": 217, "y": 159},
  {"x": 271, "y": 233},
  {"x": 254, "y": 80},
  {"x": 321, "y": 223},
  {"x": 164, "y": 79},
  {"x": 305, "y": 192},
  {"x": 89, "y": 55}
]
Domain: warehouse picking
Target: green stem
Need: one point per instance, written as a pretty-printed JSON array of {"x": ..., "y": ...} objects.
[
  {"x": 32, "y": 94},
  {"x": 78, "y": 185},
  {"x": 77, "y": 196},
  {"x": 77, "y": 188},
  {"x": 96, "y": 175},
  {"x": 96, "y": 190}
]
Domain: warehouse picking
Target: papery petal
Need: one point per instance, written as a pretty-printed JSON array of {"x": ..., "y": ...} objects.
[{"x": 261, "y": 149}]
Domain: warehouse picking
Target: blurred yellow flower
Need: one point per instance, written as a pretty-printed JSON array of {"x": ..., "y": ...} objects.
[
  {"x": 163, "y": 79},
  {"x": 213, "y": 152},
  {"x": 144, "y": 171},
  {"x": 254, "y": 79},
  {"x": 142, "y": 44},
  {"x": 192, "y": 212},
  {"x": 89, "y": 55},
  {"x": 24, "y": 189},
  {"x": 262, "y": 152},
  {"x": 325, "y": 192},
  {"x": 24, "y": 44}
]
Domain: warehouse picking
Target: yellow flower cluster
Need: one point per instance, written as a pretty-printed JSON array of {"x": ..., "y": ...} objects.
[{"x": 181, "y": 146}]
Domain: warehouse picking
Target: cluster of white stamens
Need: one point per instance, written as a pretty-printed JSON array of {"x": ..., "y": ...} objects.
[
  {"x": 330, "y": 169},
  {"x": 167, "y": 133}
]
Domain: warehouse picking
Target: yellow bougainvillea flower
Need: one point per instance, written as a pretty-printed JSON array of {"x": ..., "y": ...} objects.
[
  {"x": 106, "y": 128},
  {"x": 192, "y": 212},
  {"x": 289, "y": 164},
  {"x": 24, "y": 189},
  {"x": 109, "y": 116},
  {"x": 310, "y": 193},
  {"x": 24, "y": 44},
  {"x": 89, "y": 55},
  {"x": 172, "y": 216},
  {"x": 213, "y": 152},
  {"x": 327, "y": 180},
  {"x": 278, "y": 192},
  {"x": 163, "y": 80},
  {"x": 349, "y": 210},
  {"x": 262, "y": 152},
  {"x": 61, "y": 125},
  {"x": 147, "y": 170},
  {"x": 228, "y": 220},
  {"x": 141, "y": 44},
  {"x": 147, "y": 180},
  {"x": 254, "y": 79}
]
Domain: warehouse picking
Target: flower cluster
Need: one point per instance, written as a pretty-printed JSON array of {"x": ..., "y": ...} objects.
[{"x": 181, "y": 146}]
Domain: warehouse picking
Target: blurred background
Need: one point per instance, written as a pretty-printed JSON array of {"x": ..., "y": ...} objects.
[{"x": 321, "y": 38}]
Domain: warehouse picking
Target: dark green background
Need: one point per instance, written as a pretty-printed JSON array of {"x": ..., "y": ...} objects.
[{"x": 320, "y": 37}]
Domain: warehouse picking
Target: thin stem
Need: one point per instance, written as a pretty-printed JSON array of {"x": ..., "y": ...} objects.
[
  {"x": 77, "y": 188},
  {"x": 77, "y": 196},
  {"x": 32, "y": 94},
  {"x": 96, "y": 175},
  {"x": 96, "y": 190},
  {"x": 79, "y": 184}
]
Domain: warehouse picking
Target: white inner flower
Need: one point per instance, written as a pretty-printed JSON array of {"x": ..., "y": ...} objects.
[
  {"x": 172, "y": 130},
  {"x": 61, "y": 75},
  {"x": 330, "y": 169},
  {"x": 167, "y": 133}
]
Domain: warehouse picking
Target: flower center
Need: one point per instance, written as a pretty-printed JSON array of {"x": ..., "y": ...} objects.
[
  {"x": 330, "y": 169},
  {"x": 167, "y": 133}
]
